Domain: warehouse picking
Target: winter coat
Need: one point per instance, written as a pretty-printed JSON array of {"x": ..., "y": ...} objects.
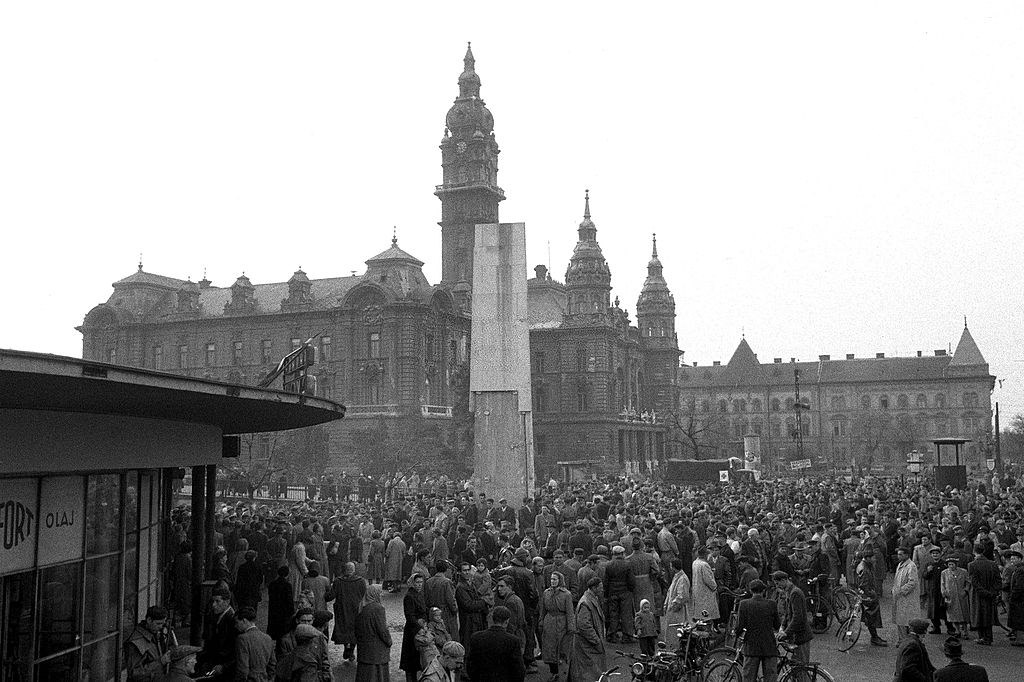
[
  {"x": 985, "y": 582},
  {"x": 439, "y": 591},
  {"x": 906, "y": 603},
  {"x": 587, "y": 661},
  {"x": 393, "y": 557},
  {"x": 705, "y": 595},
  {"x": 1015, "y": 607},
  {"x": 558, "y": 624},
  {"x": 298, "y": 567},
  {"x": 677, "y": 608},
  {"x": 348, "y": 592},
  {"x": 954, "y": 592}
]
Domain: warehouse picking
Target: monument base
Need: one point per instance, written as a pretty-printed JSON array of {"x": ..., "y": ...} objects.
[{"x": 502, "y": 438}]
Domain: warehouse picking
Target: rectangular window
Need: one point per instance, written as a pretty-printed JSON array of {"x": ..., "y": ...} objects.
[
  {"x": 538, "y": 362},
  {"x": 970, "y": 399},
  {"x": 236, "y": 353},
  {"x": 325, "y": 348},
  {"x": 267, "y": 351},
  {"x": 182, "y": 357},
  {"x": 296, "y": 343},
  {"x": 112, "y": 356},
  {"x": 541, "y": 447},
  {"x": 839, "y": 427},
  {"x": 374, "y": 345},
  {"x": 211, "y": 354},
  {"x": 158, "y": 357}
]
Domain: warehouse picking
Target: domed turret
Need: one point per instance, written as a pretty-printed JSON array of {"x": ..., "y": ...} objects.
[
  {"x": 588, "y": 279},
  {"x": 656, "y": 307}
]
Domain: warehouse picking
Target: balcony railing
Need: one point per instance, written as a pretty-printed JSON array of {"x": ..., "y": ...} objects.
[
  {"x": 436, "y": 410},
  {"x": 374, "y": 410}
]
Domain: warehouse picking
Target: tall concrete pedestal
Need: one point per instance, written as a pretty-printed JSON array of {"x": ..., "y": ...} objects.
[{"x": 499, "y": 365}]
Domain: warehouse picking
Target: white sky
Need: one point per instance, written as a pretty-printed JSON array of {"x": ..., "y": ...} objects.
[{"x": 829, "y": 178}]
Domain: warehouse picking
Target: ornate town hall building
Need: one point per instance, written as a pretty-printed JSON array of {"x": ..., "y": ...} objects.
[
  {"x": 394, "y": 348},
  {"x": 609, "y": 395}
]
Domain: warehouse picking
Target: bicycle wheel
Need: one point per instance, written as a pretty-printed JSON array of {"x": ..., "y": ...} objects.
[
  {"x": 806, "y": 673},
  {"x": 723, "y": 671},
  {"x": 849, "y": 633},
  {"x": 843, "y": 601},
  {"x": 820, "y": 622},
  {"x": 716, "y": 655}
]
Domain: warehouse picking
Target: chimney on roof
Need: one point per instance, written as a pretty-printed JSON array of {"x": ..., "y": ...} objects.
[
  {"x": 850, "y": 356},
  {"x": 823, "y": 358},
  {"x": 695, "y": 364},
  {"x": 918, "y": 353},
  {"x": 940, "y": 352},
  {"x": 717, "y": 363},
  {"x": 879, "y": 355},
  {"x": 792, "y": 359},
  {"x": 778, "y": 361}
]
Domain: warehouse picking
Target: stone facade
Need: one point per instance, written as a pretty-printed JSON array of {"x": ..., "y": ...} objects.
[{"x": 862, "y": 414}]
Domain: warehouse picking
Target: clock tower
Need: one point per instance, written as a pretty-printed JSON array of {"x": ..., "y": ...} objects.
[{"x": 469, "y": 192}]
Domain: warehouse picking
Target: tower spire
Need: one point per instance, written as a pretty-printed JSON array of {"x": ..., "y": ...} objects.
[
  {"x": 654, "y": 245},
  {"x": 586, "y": 204}
]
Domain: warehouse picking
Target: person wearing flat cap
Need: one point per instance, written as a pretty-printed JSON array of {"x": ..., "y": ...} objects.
[
  {"x": 182, "y": 663},
  {"x": 957, "y": 670},
  {"x": 912, "y": 662}
]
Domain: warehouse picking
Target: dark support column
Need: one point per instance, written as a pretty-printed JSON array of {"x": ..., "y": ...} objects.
[
  {"x": 211, "y": 514},
  {"x": 197, "y": 534}
]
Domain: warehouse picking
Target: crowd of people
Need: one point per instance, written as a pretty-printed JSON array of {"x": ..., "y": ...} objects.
[{"x": 500, "y": 590}]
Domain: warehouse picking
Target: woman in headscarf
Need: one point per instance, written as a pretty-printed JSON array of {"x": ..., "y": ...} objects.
[
  {"x": 420, "y": 566},
  {"x": 677, "y": 604},
  {"x": 415, "y": 608},
  {"x": 375, "y": 559},
  {"x": 558, "y": 623},
  {"x": 373, "y": 641}
]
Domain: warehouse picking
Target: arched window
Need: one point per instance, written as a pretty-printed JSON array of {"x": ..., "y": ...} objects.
[
  {"x": 865, "y": 402},
  {"x": 776, "y": 405},
  {"x": 705, "y": 406},
  {"x": 970, "y": 399},
  {"x": 922, "y": 400},
  {"x": 581, "y": 358},
  {"x": 789, "y": 404},
  {"x": 723, "y": 406},
  {"x": 776, "y": 427},
  {"x": 902, "y": 402},
  {"x": 755, "y": 405},
  {"x": 840, "y": 425},
  {"x": 940, "y": 401},
  {"x": 583, "y": 398},
  {"x": 883, "y": 402},
  {"x": 756, "y": 426}
]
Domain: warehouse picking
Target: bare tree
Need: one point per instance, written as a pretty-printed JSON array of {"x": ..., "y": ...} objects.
[
  {"x": 700, "y": 435},
  {"x": 873, "y": 428}
]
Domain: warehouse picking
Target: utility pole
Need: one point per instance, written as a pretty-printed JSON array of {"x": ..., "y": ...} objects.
[{"x": 999, "y": 456}]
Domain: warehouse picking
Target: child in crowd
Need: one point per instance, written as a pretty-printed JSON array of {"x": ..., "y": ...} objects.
[{"x": 645, "y": 626}]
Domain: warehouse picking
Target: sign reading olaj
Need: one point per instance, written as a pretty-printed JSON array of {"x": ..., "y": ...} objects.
[{"x": 41, "y": 522}]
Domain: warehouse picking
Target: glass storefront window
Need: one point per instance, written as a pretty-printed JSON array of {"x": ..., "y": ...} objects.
[
  {"x": 103, "y": 514},
  {"x": 102, "y": 577},
  {"x": 131, "y": 500},
  {"x": 131, "y": 581},
  {"x": 58, "y": 608},
  {"x": 100, "y": 661},
  {"x": 17, "y": 603}
]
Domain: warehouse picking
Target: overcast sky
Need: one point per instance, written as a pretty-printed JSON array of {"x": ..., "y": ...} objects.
[{"x": 826, "y": 178}]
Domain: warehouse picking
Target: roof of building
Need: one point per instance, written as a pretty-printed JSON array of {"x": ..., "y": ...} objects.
[
  {"x": 546, "y": 302},
  {"x": 141, "y": 277},
  {"x": 38, "y": 381},
  {"x": 967, "y": 352}
]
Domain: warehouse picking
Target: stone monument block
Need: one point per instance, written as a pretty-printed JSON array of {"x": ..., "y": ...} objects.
[{"x": 499, "y": 364}]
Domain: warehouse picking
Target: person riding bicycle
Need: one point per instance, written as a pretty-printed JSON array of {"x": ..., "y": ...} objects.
[{"x": 870, "y": 605}]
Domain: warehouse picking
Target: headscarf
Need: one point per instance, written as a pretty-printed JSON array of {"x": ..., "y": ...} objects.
[
  {"x": 374, "y": 595},
  {"x": 561, "y": 580}
]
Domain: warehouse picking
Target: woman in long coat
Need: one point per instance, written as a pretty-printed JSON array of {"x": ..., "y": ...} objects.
[
  {"x": 415, "y": 608},
  {"x": 587, "y": 661},
  {"x": 373, "y": 641},
  {"x": 298, "y": 566},
  {"x": 558, "y": 623},
  {"x": 677, "y": 604},
  {"x": 348, "y": 590},
  {"x": 954, "y": 593},
  {"x": 704, "y": 587},
  {"x": 393, "y": 557},
  {"x": 375, "y": 559}
]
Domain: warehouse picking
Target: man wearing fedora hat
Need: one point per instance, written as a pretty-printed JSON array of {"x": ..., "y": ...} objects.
[
  {"x": 182, "y": 663},
  {"x": 957, "y": 670}
]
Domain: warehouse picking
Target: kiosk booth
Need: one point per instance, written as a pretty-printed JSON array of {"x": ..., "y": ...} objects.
[{"x": 88, "y": 455}]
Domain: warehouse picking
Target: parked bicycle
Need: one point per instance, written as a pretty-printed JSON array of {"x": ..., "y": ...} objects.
[
  {"x": 832, "y": 606},
  {"x": 790, "y": 670},
  {"x": 849, "y": 631}
]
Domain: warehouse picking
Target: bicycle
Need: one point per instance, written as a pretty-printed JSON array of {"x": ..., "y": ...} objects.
[
  {"x": 822, "y": 609},
  {"x": 789, "y": 670},
  {"x": 849, "y": 632},
  {"x": 726, "y": 648},
  {"x": 608, "y": 674},
  {"x": 684, "y": 664}
]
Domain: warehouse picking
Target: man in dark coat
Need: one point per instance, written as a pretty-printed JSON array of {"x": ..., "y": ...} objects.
[
  {"x": 281, "y": 604},
  {"x": 760, "y": 618},
  {"x": 517, "y": 623},
  {"x": 472, "y": 607},
  {"x": 957, "y": 670},
  {"x": 146, "y": 651},
  {"x": 348, "y": 590},
  {"x": 218, "y": 654},
  {"x": 249, "y": 582},
  {"x": 797, "y": 629},
  {"x": 254, "y": 650},
  {"x": 439, "y": 591},
  {"x": 985, "y": 581},
  {"x": 1015, "y": 588},
  {"x": 912, "y": 663},
  {"x": 495, "y": 655},
  {"x": 587, "y": 659}
]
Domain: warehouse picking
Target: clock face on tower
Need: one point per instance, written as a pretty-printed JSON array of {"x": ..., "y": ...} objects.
[{"x": 460, "y": 147}]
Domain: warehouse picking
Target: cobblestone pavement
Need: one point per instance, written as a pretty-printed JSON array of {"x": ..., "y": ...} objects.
[{"x": 864, "y": 663}]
